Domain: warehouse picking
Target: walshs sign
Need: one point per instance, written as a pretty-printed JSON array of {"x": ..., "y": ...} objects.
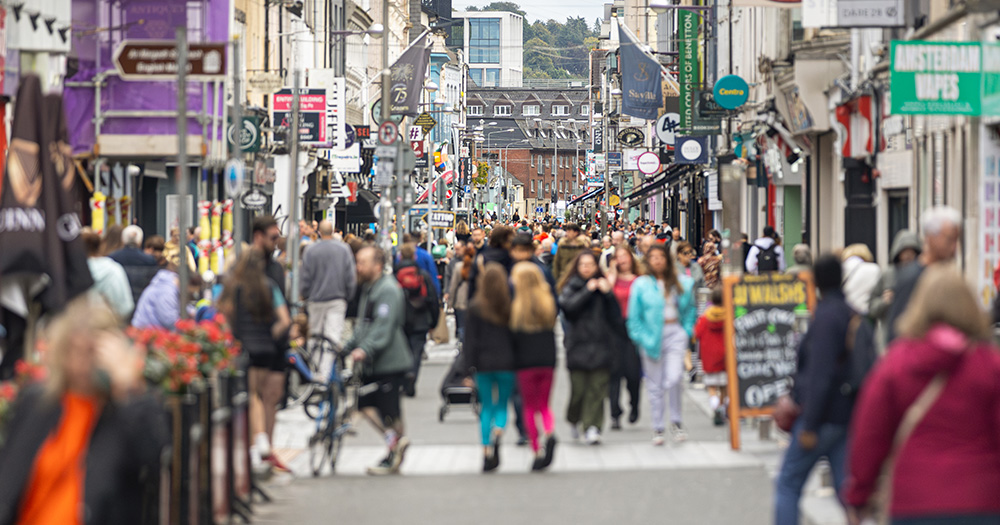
[{"x": 764, "y": 314}]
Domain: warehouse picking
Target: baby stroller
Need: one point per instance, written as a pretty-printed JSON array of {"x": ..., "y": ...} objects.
[{"x": 453, "y": 392}]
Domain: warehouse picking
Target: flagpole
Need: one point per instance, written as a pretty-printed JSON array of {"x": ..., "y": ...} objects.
[{"x": 180, "y": 174}]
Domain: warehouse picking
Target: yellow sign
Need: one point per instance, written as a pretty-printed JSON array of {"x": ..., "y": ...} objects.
[{"x": 615, "y": 200}]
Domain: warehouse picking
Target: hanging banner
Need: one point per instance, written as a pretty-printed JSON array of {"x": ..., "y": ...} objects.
[
  {"x": 689, "y": 68},
  {"x": 642, "y": 94},
  {"x": 408, "y": 77}
]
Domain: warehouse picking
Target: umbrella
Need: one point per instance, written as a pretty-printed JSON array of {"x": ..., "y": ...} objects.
[{"x": 43, "y": 261}]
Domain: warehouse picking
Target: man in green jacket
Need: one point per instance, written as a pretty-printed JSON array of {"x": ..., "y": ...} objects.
[{"x": 379, "y": 342}]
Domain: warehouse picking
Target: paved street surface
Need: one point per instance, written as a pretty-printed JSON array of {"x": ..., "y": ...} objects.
[{"x": 625, "y": 479}]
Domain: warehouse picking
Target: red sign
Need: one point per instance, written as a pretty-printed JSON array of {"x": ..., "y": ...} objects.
[
  {"x": 418, "y": 147},
  {"x": 448, "y": 194},
  {"x": 310, "y": 102},
  {"x": 363, "y": 132},
  {"x": 312, "y": 113},
  {"x": 353, "y": 188}
]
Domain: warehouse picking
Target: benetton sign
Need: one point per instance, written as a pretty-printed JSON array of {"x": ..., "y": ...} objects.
[
  {"x": 945, "y": 78},
  {"x": 689, "y": 68}
]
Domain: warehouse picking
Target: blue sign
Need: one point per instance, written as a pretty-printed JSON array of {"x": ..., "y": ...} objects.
[
  {"x": 615, "y": 160},
  {"x": 731, "y": 92},
  {"x": 539, "y": 210},
  {"x": 468, "y": 189},
  {"x": 351, "y": 135},
  {"x": 691, "y": 150}
]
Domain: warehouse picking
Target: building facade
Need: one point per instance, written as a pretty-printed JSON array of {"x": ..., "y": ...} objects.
[{"x": 493, "y": 42}]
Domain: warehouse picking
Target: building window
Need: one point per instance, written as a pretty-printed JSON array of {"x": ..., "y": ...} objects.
[
  {"x": 501, "y": 111},
  {"x": 475, "y": 111},
  {"x": 560, "y": 110},
  {"x": 477, "y": 76},
  {"x": 540, "y": 169},
  {"x": 548, "y": 188},
  {"x": 584, "y": 110},
  {"x": 532, "y": 185},
  {"x": 532, "y": 111},
  {"x": 492, "y": 78},
  {"x": 484, "y": 41}
]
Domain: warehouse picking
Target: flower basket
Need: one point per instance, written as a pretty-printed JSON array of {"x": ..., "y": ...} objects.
[{"x": 190, "y": 355}]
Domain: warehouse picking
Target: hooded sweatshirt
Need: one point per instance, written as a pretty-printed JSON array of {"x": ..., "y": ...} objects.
[
  {"x": 157, "y": 307},
  {"x": 111, "y": 283},
  {"x": 710, "y": 332},
  {"x": 950, "y": 465}
]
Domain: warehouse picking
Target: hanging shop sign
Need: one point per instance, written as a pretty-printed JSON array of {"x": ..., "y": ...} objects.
[
  {"x": 249, "y": 134},
  {"x": 666, "y": 128},
  {"x": 235, "y": 174},
  {"x": 254, "y": 199},
  {"x": 730, "y": 92},
  {"x": 649, "y": 163},
  {"x": 615, "y": 160},
  {"x": 598, "y": 136},
  {"x": 689, "y": 67},
  {"x": 312, "y": 114},
  {"x": 631, "y": 137},
  {"x": 152, "y": 60},
  {"x": 691, "y": 150},
  {"x": 426, "y": 122},
  {"x": 853, "y": 13},
  {"x": 765, "y": 319},
  {"x": 944, "y": 78}
]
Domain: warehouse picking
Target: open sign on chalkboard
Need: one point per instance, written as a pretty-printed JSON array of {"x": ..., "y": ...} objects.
[{"x": 766, "y": 316}]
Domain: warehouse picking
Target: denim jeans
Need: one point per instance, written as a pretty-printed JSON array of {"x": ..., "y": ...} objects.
[{"x": 831, "y": 443}]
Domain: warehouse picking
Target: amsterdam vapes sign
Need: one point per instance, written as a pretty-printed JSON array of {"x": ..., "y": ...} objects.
[{"x": 945, "y": 78}]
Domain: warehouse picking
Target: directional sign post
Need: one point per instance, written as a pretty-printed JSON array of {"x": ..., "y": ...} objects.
[{"x": 157, "y": 60}]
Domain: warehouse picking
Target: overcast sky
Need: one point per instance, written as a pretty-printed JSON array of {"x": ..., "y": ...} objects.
[{"x": 544, "y": 10}]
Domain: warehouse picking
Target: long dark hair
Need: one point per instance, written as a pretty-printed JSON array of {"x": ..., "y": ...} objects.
[
  {"x": 669, "y": 273},
  {"x": 574, "y": 268},
  {"x": 248, "y": 277},
  {"x": 492, "y": 299}
]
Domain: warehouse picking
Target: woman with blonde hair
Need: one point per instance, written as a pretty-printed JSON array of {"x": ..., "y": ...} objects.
[
  {"x": 81, "y": 448},
  {"x": 928, "y": 412},
  {"x": 532, "y": 324},
  {"x": 861, "y": 275}
]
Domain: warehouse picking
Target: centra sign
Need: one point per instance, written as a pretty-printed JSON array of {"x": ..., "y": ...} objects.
[{"x": 731, "y": 92}]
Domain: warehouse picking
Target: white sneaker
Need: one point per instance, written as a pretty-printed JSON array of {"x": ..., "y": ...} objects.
[
  {"x": 677, "y": 432},
  {"x": 263, "y": 445},
  {"x": 658, "y": 440},
  {"x": 593, "y": 436}
]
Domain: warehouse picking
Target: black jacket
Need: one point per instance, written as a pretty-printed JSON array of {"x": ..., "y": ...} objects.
[
  {"x": 534, "y": 349},
  {"x": 140, "y": 268},
  {"x": 487, "y": 347},
  {"x": 422, "y": 318},
  {"x": 122, "y": 458},
  {"x": 596, "y": 332},
  {"x": 822, "y": 365}
]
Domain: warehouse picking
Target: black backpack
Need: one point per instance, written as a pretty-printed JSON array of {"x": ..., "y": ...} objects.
[
  {"x": 767, "y": 258},
  {"x": 860, "y": 354}
]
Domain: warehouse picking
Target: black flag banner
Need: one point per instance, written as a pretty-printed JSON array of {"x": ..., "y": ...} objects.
[
  {"x": 407, "y": 80},
  {"x": 42, "y": 257}
]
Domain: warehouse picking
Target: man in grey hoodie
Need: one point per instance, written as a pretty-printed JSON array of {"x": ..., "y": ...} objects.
[
  {"x": 906, "y": 248},
  {"x": 329, "y": 280}
]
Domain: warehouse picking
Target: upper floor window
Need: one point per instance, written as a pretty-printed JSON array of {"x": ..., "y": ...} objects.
[
  {"x": 585, "y": 110},
  {"x": 492, "y": 78},
  {"x": 501, "y": 111},
  {"x": 560, "y": 110},
  {"x": 475, "y": 111},
  {"x": 532, "y": 110},
  {"x": 484, "y": 40}
]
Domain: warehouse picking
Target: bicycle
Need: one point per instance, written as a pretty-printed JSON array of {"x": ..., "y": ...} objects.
[{"x": 306, "y": 363}]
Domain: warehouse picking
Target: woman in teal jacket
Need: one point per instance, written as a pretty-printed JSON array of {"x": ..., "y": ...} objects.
[{"x": 661, "y": 317}]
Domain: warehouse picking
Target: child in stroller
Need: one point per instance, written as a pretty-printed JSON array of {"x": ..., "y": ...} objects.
[{"x": 458, "y": 388}]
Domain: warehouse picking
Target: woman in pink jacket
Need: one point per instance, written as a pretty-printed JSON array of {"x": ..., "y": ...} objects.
[{"x": 944, "y": 376}]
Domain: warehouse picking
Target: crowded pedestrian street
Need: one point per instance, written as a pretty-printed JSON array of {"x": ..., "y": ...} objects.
[{"x": 460, "y": 261}]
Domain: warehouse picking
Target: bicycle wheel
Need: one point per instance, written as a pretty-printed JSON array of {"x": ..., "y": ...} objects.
[
  {"x": 317, "y": 356},
  {"x": 322, "y": 442}
]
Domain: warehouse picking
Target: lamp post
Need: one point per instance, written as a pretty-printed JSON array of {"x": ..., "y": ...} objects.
[{"x": 430, "y": 87}]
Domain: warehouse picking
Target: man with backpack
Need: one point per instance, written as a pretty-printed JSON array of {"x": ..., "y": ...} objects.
[
  {"x": 765, "y": 254},
  {"x": 422, "y": 309}
]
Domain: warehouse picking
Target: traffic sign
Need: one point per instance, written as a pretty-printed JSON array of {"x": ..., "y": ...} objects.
[
  {"x": 666, "y": 128},
  {"x": 448, "y": 194},
  {"x": 387, "y": 132},
  {"x": 426, "y": 122},
  {"x": 150, "y": 59},
  {"x": 649, "y": 163}
]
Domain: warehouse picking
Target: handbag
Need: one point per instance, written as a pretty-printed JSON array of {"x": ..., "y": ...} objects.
[{"x": 440, "y": 334}]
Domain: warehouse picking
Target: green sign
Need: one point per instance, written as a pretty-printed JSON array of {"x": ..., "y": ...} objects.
[
  {"x": 689, "y": 68},
  {"x": 944, "y": 78},
  {"x": 249, "y": 134}
]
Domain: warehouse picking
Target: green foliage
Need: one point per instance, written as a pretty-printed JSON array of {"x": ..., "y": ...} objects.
[
  {"x": 553, "y": 49},
  {"x": 482, "y": 174}
]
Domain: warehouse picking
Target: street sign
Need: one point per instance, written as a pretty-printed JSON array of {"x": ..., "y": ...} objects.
[
  {"x": 615, "y": 160},
  {"x": 468, "y": 189},
  {"x": 151, "y": 60},
  {"x": 312, "y": 114},
  {"x": 264, "y": 83},
  {"x": 386, "y": 152},
  {"x": 235, "y": 174},
  {"x": 440, "y": 219},
  {"x": 426, "y": 122},
  {"x": 387, "y": 132},
  {"x": 383, "y": 172},
  {"x": 666, "y": 128},
  {"x": 649, "y": 163},
  {"x": 253, "y": 199},
  {"x": 631, "y": 137},
  {"x": 249, "y": 134}
]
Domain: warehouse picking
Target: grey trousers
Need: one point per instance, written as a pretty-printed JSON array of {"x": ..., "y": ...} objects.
[{"x": 664, "y": 376}]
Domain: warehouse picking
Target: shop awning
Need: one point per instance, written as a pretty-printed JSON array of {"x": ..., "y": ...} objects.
[
  {"x": 585, "y": 196},
  {"x": 672, "y": 173}
]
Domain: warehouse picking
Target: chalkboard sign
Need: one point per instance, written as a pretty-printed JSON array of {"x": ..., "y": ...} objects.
[{"x": 765, "y": 319}]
